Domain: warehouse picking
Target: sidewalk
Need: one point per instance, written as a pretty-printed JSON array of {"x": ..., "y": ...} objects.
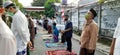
[{"x": 100, "y": 47}]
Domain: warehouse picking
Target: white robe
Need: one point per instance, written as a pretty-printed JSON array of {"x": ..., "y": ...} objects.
[
  {"x": 35, "y": 22},
  {"x": 8, "y": 44},
  {"x": 117, "y": 36},
  {"x": 20, "y": 30}
]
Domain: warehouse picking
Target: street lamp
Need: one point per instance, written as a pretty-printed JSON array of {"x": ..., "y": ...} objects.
[
  {"x": 100, "y": 14},
  {"x": 71, "y": 12},
  {"x": 78, "y": 15}
]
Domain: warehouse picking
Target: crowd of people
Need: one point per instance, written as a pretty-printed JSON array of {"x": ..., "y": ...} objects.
[
  {"x": 51, "y": 26},
  {"x": 19, "y": 40}
]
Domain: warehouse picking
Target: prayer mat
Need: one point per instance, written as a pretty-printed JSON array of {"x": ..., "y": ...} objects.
[
  {"x": 38, "y": 35},
  {"x": 46, "y": 38},
  {"x": 52, "y": 45},
  {"x": 60, "y": 52}
]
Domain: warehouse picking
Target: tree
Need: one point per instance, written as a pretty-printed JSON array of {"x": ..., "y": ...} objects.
[
  {"x": 50, "y": 8},
  {"x": 17, "y": 3},
  {"x": 36, "y": 14},
  {"x": 39, "y": 2}
]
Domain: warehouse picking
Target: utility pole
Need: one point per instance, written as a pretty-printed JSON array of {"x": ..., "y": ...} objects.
[
  {"x": 71, "y": 12},
  {"x": 78, "y": 15},
  {"x": 100, "y": 16}
]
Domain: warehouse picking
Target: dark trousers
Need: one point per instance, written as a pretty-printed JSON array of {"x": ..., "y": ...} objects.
[
  {"x": 24, "y": 52},
  {"x": 35, "y": 30},
  {"x": 84, "y": 51},
  {"x": 28, "y": 51},
  {"x": 49, "y": 29},
  {"x": 45, "y": 26},
  {"x": 32, "y": 41},
  {"x": 63, "y": 38},
  {"x": 69, "y": 44},
  {"x": 56, "y": 38}
]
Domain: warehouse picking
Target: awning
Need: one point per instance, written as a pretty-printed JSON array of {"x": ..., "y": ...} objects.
[{"x": 34, "y": 8}]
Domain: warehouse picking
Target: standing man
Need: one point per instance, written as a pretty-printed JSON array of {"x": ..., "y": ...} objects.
[
  {"x": 32, "y": 32},
  {"x": 89, "y": 34},
  {"x": 8, "y": 44},
  {"x": 19, "y": 27},
  {"x": 35, "y": 25},
  {"x": 68, "y": 33},
  {"x": 115, "y": 46}
]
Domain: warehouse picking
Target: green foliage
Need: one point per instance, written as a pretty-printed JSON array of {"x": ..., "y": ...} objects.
[
  {"x": 39, "y": 3},
  {"x": 101, "y": 1},
  {"x": 37, "y": 14},
  {"x": 17, "y": 3},
  {"x": 49, "y": 7}
]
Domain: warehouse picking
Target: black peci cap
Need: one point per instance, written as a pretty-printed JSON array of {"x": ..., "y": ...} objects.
[{"x": 93, "y": 12}]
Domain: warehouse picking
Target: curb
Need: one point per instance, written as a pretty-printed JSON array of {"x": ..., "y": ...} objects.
[
  {"x": 97, "y": 48},
  {"x": 106, "y": 52}
]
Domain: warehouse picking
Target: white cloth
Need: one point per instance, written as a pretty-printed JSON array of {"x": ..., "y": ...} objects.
[
  {"x": 60, "y": 27},
  {"x": 41, "y": 21},
  {"x": 117, "y": 36},
  {"x": 55, "y": 20},
  {"x": 35, "y": 22},
  {"x": 8, "y": 44},
  {"x": 50, "y": 22},
  {"x": 117, "y": 30},
  {"x": 117, "y": 46},
  {"x": 20, "y": 29}
]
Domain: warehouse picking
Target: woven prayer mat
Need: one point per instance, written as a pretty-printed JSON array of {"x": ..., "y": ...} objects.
[
  {"x": 53, "y": 45},
  {"x": 59, "y": 52}
]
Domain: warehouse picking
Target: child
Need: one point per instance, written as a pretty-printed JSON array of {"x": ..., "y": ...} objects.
[{"x": 55, "y": 33}]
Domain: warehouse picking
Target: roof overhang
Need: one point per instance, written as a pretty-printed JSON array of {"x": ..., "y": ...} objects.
[{"x": 32, "y": 8}]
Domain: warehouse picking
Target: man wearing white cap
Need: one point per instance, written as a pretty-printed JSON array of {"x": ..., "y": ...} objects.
[
  {"x": 8, "y": 44},
  {"x": 19, "y": 27}
]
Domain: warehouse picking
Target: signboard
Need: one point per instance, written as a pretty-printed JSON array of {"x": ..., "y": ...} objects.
[{"x": 64, "y": 2}]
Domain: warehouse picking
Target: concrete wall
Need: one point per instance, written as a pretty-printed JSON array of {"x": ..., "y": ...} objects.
[
  {"x": 75, "y": 18},
  {"x": 110, "y": 15}
]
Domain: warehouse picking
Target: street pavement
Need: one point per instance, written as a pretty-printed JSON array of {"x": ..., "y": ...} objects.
[{"x": 40, "y": 48}]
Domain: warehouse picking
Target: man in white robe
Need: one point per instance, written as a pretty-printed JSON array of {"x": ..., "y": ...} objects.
[
  {"x": 19, "y": 27},
  {"x": 8, "y": 44},
  {"x": 115, "y": 46}
]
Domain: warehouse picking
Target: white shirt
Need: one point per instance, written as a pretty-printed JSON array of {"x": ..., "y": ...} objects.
[
  {"x": 20, "y": 29},
  {"x": 117, "y": 36},
  {"x": 8, "y": 44},
  {"x": 50, "y": 22},
  {"x": 55, "y": 20},
  {"x": 35, "y": 22},
  {"x": 60, "y": 27},
  {"x": 41, "y": 21},
  {"x": 117, "y": 30}
]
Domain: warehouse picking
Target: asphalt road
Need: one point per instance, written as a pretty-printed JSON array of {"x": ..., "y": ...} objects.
[{"x": 40, "y": 48}]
